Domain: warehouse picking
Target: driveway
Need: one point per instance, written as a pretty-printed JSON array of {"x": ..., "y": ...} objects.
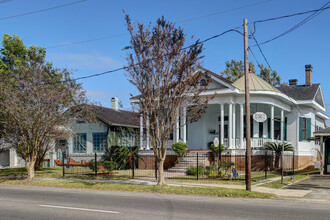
[{"x": 320, "y": 187}]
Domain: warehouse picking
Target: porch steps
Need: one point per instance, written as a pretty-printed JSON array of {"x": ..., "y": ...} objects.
[{"x": 190, "y": 159}]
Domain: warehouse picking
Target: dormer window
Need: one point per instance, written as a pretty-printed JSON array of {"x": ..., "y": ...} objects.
[{"x": 203, "y": 82}]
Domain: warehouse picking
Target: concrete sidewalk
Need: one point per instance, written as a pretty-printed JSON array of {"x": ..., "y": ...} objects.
[{"x": 285, "y": 193}]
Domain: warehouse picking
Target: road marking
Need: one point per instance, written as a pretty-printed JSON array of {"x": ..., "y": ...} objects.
[{"x": 81, "y": 209}]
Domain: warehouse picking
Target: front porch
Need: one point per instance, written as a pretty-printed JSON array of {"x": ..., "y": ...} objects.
[{"x": 226, "y": 121}]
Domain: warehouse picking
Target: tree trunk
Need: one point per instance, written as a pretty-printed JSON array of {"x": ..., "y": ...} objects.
[
  {"x": 30, "y": 169},
  {"x": 277, "y": 160},
  {"x": 38, "y": 164},
  {"x": 161, "y": 176}
]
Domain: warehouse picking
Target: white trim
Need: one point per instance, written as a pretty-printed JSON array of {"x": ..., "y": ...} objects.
[
  {"x": 320, "y": 90},
  {"x": 322, "y": 115}
]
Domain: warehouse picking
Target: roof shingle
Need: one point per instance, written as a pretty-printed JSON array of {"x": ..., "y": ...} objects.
[
  {"x": 117, "y": 117},
  {"x": 300, "y": 92}
]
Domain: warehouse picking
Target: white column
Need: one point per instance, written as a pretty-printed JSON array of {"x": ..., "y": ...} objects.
[
  {"x": 230, "y": 125},
  {"x": 148, "y": 138},
  {"x": 222, "y": 122},
  {"x": 141, "y": 132},
  {"x": 272, "y": 123},
  {"x": 241, "y": 127},
  {"x": 234, "y": 124},
  {"x": 282, "y": 125},
  {"x": 184, "y": 123},
  {"x": 177, "y": 127}
]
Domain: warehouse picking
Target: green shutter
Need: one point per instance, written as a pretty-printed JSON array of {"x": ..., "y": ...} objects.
[
  {"x": 268, "y": 129},
  {"x": 300, "y": 128},
  {"x": 309, "y": 129},
  {"x": 285, "y": 128}
]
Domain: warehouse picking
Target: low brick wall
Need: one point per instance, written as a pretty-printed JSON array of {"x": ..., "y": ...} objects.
[{"x": 148, "y": 162}]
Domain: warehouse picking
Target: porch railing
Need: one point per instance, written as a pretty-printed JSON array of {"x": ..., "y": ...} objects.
[{"x": 255, "y": 142}]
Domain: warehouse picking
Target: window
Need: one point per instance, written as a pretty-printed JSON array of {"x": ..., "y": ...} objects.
[
  {"x": 304, "y": 129},
  {"x": 261, "y": 129},
  {"x": 99, "y": 142},
  {"x": 79, "y": 143},
  {"x": 128, "y": 140},
  {"x": 203, "y": 82}
]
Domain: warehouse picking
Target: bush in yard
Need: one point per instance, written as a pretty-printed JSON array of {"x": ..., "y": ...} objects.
[
  {"x": 202, "y": 170},
  {"x": 179, "y": 148},
  {"x": 216, "y": 149},
  {"x": 92, "y": 166},
  {"x": 109, "y": 165}
]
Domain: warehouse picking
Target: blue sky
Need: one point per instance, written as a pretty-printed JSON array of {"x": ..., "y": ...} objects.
[{"x": 92, "y": 19}]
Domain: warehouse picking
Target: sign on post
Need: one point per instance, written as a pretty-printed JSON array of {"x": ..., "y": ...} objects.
[
  {"x": 259, "y": 117},
  {"x": 216, "y": 142}
]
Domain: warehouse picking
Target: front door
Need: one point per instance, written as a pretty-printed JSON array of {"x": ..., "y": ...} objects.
[{"x": 327, "y": 157}]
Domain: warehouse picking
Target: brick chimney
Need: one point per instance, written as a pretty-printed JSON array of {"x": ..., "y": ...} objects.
[
  {"x": 308, "y": 71},
  {"x": 293, "y": 82}
]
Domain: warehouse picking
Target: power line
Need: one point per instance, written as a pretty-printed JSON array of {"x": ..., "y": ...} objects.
[
  {"x": 291, "y": 15},
  {"x": 5, "y": 1},
  {"x": 122, "y": 68},
  {"x": 222, "y": 12},
  {"x": 86, "y": 41},
  {"x": 304, "y": 21},
  {"x": 182, "y": 21},
  {"x": 273, "y": 71},
  {"x": 42, "y": 10}
]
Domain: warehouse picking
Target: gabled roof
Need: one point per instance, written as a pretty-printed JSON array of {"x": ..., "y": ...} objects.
[
  {"x": 300, "y": 92},
  {"x": 256, "y": 84},
  {"x": 117, "y": 117},
  {"x": 217, "y": 75}
]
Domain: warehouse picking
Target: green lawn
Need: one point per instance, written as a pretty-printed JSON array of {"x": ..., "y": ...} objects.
[
  {"x": 286, "y": 181},
  {"x": 142, "y": 188}
]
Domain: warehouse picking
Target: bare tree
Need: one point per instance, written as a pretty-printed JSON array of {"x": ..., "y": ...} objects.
[
  {"x": 36, "y": 103},
  {"x": 168, "y": 79}
]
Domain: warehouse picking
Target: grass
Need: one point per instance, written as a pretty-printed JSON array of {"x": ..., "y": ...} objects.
[
  {"x": 202, "y": 191},
  {"x": 286, "y": 181}
]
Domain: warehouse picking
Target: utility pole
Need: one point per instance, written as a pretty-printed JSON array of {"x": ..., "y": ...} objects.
[{"x": 247, "y": 111}]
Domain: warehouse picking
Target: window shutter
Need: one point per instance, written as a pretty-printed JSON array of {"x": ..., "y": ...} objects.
[
  {"x": 268, "y": 128},
  {"x": 300, "y": 128},
  {"x": 285, "y": 128},
  {"x": 309, "y": 130}
]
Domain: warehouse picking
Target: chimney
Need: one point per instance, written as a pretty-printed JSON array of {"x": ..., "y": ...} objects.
[
  {"x": 114, "y": 103},
  {"x": 308, "y": 71},
  {"x": 293, "y": 82}
]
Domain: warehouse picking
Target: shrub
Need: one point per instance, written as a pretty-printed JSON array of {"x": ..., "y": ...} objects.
[
  {"x": 180, "y": 148},
  {"x": 92, "y": 166},
  {"x": 216, "y": 149},
  {"x": 110, "y": 165},
  {"x": 192, "y": 170}
]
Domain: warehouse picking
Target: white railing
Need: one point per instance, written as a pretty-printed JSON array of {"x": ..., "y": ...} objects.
[{"x": 255, "y": 143}]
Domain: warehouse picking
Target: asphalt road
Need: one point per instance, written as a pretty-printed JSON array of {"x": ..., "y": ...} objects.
[{"x": 25, "y": 202}]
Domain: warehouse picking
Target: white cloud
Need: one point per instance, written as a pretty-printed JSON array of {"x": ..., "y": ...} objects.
[
  {"x": 83, "y": 61},
  {"x": 98, "y": 94}
]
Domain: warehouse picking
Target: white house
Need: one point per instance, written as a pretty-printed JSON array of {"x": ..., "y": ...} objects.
[{"x": 290, "y": 113}]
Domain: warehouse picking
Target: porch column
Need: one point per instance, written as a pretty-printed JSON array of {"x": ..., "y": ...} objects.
[
  {"x": 234, "y": 124},
  {"x": 282, "y": 125},
  {"x": 322, "y": 156},
  {"x": 141, "y": 132},
  {"x": 272, "y": 123},
  {"x": 184, "y": 123},
  {"x": 177, "y": 127},
  {"x": 241, "y": 127},
  {"x": 230, "y": 125},
  {"x": 222, "y": 123},
  {"x": 148, "y": 138}
]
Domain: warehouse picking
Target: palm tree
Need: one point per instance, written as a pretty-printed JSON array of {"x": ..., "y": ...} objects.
[{"x": 277, "y": 148}]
